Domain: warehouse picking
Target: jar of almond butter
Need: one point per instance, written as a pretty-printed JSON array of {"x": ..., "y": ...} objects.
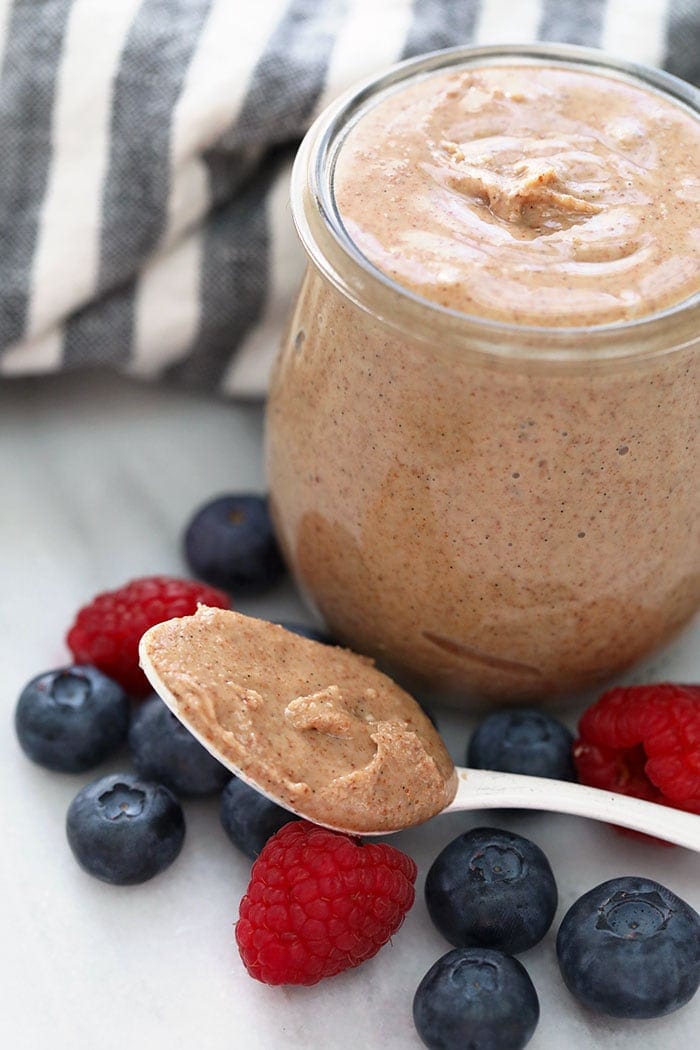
[{"x": 483, "y": 427}]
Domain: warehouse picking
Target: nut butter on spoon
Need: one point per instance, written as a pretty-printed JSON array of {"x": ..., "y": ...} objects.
[{"x": 322, "y": 732}]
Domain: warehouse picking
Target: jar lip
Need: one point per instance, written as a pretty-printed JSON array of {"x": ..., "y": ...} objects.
[{"x": 315, "y": 163}]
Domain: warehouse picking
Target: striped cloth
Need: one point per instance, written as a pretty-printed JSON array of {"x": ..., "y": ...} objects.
[{"x": 146, "y": 148}]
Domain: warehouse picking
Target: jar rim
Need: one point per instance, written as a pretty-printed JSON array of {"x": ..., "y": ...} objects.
[{"x": 329, "y": 245}]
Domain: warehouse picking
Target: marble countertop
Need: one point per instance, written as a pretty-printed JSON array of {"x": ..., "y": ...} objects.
[{"x": 98, "y": 476}]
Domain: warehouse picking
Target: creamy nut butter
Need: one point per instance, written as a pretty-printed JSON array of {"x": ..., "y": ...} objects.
[
  {"x": 530, "y": 195},
  {"x": 315, "y": 726},
  {"x": 482, "y": 437}
]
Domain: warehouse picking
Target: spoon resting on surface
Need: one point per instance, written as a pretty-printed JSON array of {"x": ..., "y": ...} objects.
[
  {"x": 320, "y": 731},
  {"x": 486, "y": 789}
]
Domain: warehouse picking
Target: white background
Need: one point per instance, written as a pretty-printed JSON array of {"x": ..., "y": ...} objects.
[{"x": 97, "y": 478}]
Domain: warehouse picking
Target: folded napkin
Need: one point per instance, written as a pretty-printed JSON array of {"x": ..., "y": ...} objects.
[{"x": 146, "y": 149}]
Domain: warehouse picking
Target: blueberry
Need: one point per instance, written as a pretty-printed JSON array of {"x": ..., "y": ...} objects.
[
  {"x": 72, "y": 718},
  {"x": 491, "y": 889},
  {"x": 125, "y": 830},
  {"x": 250, "y": 818},
  {"x": 230, "y": 543},
  {"x": 523, "y": 741},
  {"x": 476, "y": 998},
  {"x": 316, "y": 634},
  {"x": 162, "y": 749},
  {"x": 630, "y": 948}
]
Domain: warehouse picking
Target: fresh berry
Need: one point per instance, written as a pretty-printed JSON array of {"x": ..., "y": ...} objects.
[
  {"x": 250, "y": 818},
  {"x": 107, "y": 632},
  {"x": 476, "y": 998},
  {"x": 162, "y": 749},
  {"x": 644, "y": 740},
  {"x": 230, "y": 542},
  {"x": 630, "y": 948},
  {"x": 72, "y": 718},
  {"x": 523, "y": 741},
  {"x": 491, "y": 889},
  {"x": 320, "y": 902},
  {"x": 125, "y": 830},
  {"x": 316, "y": 634}
]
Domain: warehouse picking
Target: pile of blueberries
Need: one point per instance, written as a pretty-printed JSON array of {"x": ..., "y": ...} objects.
[
  {"x": 628, "y": 948},
  {"x": 125, "y": 828}
]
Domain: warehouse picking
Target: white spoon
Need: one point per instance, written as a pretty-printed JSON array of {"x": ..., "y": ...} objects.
[
  {"x": 485, "y": 789},
  {"x": 476, "y": 789}
]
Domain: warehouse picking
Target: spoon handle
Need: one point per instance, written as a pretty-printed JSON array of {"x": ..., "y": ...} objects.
[{"x": 485, "y": 789}]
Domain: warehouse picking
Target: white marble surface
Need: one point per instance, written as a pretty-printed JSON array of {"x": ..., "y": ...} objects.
[{"x": 97, "y": 477}]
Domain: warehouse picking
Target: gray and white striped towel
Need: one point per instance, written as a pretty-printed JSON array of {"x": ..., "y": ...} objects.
[{"x": 146, "y": 147}]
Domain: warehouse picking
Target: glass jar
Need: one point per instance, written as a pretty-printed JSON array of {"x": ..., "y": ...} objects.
[{"x": 488, "y": 509}]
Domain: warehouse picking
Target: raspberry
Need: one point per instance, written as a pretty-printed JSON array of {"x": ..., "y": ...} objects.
[
  {"x": 644, "y": 741},
  {"x": 320, "y": 902},
  {"x": 106, "y": 632}
]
